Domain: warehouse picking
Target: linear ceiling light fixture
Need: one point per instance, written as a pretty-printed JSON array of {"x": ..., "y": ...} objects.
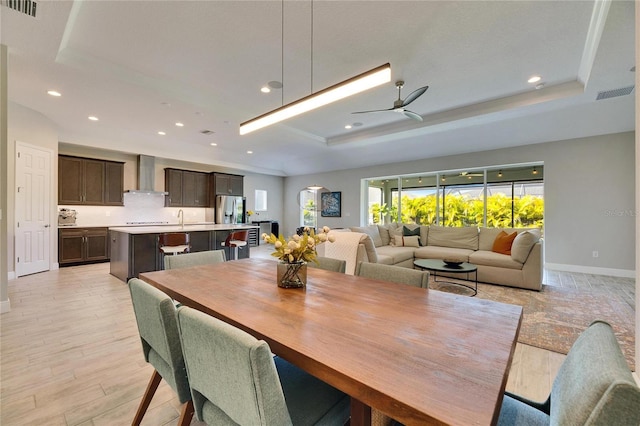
[{"x": 357, "y": 84}]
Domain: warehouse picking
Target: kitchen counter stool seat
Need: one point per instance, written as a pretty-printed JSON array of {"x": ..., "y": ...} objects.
[
  {"x": 174, "y": 243},
  {"x": 234, "y": 240}
]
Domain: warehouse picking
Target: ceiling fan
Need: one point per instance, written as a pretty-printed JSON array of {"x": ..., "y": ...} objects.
[{"x": 399, "y": 104}]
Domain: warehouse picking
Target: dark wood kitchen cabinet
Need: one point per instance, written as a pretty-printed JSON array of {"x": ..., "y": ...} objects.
[
  {"x": 226, "y": 184},
  {"x": 87, "y": 181},
  {"x": 186, "y": 188},
  {"x": 83, "y": 245}
]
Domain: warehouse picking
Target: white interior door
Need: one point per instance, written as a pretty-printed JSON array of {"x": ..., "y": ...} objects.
[{"x": 33, "y": 224}]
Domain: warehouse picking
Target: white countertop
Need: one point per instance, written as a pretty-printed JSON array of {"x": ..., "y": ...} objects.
[{"x": 160, "y": 229}]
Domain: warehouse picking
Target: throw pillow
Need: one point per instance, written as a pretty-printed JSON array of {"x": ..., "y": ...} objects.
[
  {"x": 409, "y": 241},
  {"x": 411, "y": 232},
  {"x": 503, "y": 242},
  {"x": 384, "y": 234},
  {"x": 522, "y": 245}
]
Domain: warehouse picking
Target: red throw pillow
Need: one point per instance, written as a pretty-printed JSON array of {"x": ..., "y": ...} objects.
[{"x": 503, "y": 242}]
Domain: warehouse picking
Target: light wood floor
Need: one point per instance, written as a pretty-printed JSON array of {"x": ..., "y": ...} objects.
[{"x": 71, "y": 354}]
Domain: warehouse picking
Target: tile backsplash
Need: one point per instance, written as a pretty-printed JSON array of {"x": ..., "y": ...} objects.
[{"x": 137, "y": 208}]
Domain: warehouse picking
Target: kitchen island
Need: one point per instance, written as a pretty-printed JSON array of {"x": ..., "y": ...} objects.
[{"x": 134, "y": 249}]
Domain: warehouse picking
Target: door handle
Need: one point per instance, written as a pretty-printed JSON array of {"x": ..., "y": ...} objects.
[{"x": 46, "y": 226}]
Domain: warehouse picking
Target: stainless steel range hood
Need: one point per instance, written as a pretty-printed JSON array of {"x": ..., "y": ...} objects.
[{"x": 146, "y": 176}]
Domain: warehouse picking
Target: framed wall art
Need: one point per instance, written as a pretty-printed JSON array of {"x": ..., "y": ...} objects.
[{"x": 330, "y": 204}]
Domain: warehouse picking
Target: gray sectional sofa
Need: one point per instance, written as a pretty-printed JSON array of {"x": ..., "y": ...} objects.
[{"x": 523, "y": 268}]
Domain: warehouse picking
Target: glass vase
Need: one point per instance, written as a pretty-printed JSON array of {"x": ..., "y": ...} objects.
[{"x": 292, "y": 275}]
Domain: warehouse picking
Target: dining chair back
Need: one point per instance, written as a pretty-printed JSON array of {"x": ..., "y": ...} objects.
[
  {"x": 194, "y": 259},
  {"x": 174, "y": 243},
  {"x": 396, "y": 274},
  {"x": 594, "y": 386},
  {"x": 158, "y": 328},
  {"x": 234, "y": 240},
  {"x": 329, "y": 264},
  {"x": 235, "y": 379}
]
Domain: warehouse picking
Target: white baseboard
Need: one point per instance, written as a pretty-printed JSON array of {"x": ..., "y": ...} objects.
[
  {"x": 635, "y": 376},
  {"x": 623, "y": 273},
  {"x": 11, "y": 275},
  {"x": 5, "y": 306}
]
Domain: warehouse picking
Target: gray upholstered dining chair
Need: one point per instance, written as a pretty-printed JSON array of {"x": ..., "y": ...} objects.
[
  {"x": 594, "y": 386},
  {"x": 329, "y": 264},
  {"x": 396, "y": 274},
  {"x": 158, "y": 327},
  {"x": 235, "y": 379},
  {"x": 194, "y": 259}
]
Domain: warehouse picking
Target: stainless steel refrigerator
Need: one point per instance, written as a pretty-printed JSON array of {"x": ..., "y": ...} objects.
[{"x": 230, "y": 209}]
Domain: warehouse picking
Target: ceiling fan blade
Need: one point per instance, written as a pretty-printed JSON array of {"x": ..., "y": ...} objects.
[
  {"x": 413, "y": 115},
  {"x": 414, "y": 95},
  {"x": 375, "y": 110}
]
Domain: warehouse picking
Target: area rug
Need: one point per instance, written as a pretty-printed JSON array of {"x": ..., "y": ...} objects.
[{"x": 554, "y": 317}]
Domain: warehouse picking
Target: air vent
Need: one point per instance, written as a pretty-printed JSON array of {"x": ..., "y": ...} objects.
[
  {"x": 207, "y": 132},
  {"x": 28, "y": 7},
  {"x": 615, "y": 93}
]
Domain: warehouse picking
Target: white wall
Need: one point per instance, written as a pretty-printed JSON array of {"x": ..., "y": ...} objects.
[
  {"x": 589, "y": 197},
  {"x": 30, "y": 127}
]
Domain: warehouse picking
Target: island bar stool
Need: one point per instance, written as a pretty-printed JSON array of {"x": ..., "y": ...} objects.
[
  {"x": 174, "y": 243},
  {"x": 234, "y": 240}
]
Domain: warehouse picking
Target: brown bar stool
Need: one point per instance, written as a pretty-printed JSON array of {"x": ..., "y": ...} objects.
[
  {"x": 174, "y": 243},
  {"x": 234, "y": 240}
]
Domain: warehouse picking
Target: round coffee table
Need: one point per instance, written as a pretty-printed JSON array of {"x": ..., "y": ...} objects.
[{"x": 437, "y": 265}]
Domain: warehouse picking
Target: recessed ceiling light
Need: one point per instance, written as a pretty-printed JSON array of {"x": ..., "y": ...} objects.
[
  {"x": 213, "y": 144},
  {"x": 539, "y": 86},
  {"x": 274, "y": 85},
  {"x": 249, "y": 152},
  {"x": 357, "y": 124},
  {"x": 265, "y": 89},
  {"x": 348, "y": 126},
  {"x": 93, "y": 118},
  {"x": 161, "y": 133},
  {"x": 54, "y": 93},
  {"x": 534, "y": 79},
  {"x": 179, "y": 124}
]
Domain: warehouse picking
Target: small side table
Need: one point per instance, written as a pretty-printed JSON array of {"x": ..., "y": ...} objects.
[{"x": 437, "y": 265}]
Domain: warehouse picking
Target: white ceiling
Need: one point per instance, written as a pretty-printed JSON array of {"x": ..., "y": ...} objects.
[{"x": 142, "y": 66}]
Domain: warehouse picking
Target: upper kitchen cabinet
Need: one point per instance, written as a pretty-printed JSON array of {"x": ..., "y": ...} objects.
[
  {"x": 114, "y": 184},
  {"x": 88, "y": 181},
  {"x": 186, "y": 188},
  {"x": 225, "y": 184}
]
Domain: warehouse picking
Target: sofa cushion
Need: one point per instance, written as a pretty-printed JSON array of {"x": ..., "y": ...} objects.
[
  {"x": 394, "y": 229},
  {"x": 408, "y": 232},
  {"x": 372, "y": 231},
  {"x": 396, "y": 254},
  {"x": 487, "y": 236},
  {"x": 406, "y": 241},
  {"x": 503, "y": 242},
  {"x": 398, "y": 229},
  {"x": 384, "y": 259},
  {"x": 523, "y": 244},
  {"x": 383, "y": 230},
  {"x": 443, "y": 236},
  {"x": 437, "y": 252},
  {"x": 490, "y": 258}
]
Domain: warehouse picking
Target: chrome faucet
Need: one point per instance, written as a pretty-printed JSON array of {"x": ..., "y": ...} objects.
[{"x": 181, "y": 218}]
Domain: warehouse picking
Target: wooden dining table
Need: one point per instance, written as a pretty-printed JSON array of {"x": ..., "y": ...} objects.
[{"x": 418, "y": 356}]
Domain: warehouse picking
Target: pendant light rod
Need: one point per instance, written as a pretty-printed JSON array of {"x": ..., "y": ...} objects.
[{"x": 344, "y": 89}]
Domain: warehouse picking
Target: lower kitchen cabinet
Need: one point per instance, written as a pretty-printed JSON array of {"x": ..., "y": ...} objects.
[{"x": 82, "y": 245}]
